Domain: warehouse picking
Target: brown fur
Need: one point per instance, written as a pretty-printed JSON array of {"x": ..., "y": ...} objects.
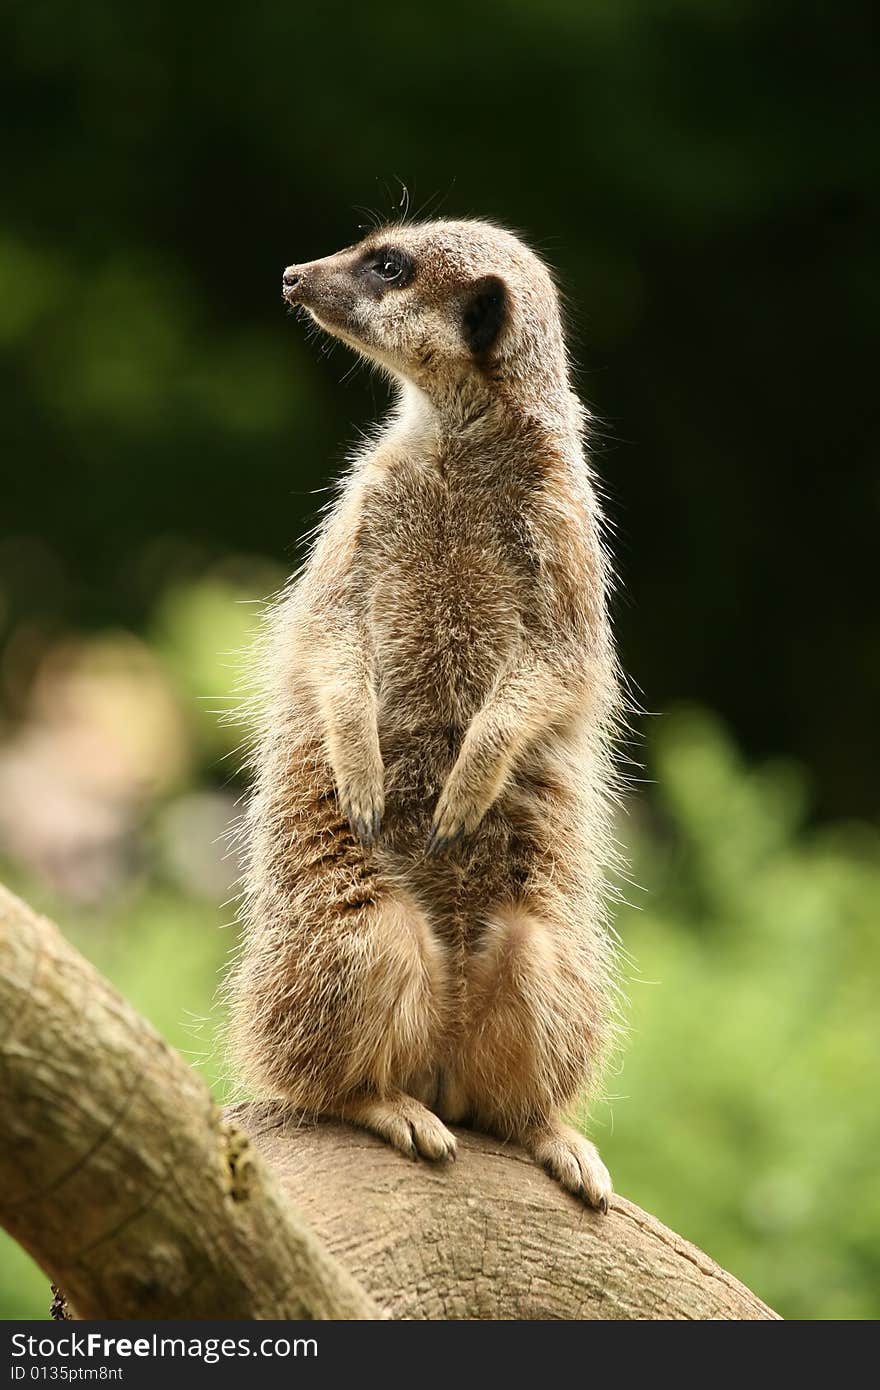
[{"x": 442, "y": 665}]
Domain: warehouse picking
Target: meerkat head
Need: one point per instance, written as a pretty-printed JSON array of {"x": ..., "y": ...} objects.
[{"x": 445, "y": 305}]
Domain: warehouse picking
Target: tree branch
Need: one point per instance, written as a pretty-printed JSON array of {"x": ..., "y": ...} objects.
[
  {"x": 117, "y": 1172},
  {"x": 490, "y": 1236}
]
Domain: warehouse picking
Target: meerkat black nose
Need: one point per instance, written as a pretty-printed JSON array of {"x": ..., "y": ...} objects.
[{"x": 294, "y": 283}]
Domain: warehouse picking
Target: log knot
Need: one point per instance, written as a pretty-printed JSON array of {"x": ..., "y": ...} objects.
[{"x": 238, "y": 1163}]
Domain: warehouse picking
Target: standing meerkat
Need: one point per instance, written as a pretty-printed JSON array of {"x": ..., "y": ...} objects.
[{"x": 426, "y": 936}]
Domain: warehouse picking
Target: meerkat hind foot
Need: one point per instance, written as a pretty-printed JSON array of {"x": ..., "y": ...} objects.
[
  {"x": 572, "y": 1160},
  {"x": 404, "y": 1123}
]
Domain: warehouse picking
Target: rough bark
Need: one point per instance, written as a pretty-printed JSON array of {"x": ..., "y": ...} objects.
[
  {"x": 490, "y": 1236},
  {"x": 118, "y": 1173},
  {"x": 122, "y": 1179}
]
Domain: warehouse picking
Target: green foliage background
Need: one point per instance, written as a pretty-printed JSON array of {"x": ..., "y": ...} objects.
[{"x": 704, "y": 179}]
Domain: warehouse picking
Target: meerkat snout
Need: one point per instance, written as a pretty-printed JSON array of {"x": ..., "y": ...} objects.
[{"x": 295, "y": 284}]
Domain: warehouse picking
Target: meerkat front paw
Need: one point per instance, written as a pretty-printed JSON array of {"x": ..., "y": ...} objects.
[
  {"x": 572, "y": 1160},
  {"x": 454, "y": 817},
  {"x": 363, "y": 806}
]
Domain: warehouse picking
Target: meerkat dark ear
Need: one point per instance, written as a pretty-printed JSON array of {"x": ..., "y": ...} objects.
[{"x": 485, "y": 311}]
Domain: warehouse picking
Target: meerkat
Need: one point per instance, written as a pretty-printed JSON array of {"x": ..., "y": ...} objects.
[{"x": 426, "y": 935}]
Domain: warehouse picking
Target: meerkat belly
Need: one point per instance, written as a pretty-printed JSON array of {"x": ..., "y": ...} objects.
[
  {"x": 444, "y": 623},
  {"x": 442, "y": 632},
  {"x": 444, "y": 596}
]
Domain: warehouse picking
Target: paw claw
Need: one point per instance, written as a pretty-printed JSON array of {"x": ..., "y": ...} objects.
[
  {"x": 365, "y": 820},
  {"x": 439, "y": 843}
]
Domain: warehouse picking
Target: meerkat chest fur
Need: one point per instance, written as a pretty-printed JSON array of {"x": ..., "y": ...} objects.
[{"x": 444, "y": 551}]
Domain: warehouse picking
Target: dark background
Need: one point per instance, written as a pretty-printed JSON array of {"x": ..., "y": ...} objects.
[{"x": 702, "y": 176}]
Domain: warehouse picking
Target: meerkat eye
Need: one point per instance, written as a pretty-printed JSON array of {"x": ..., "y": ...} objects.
[{"x": 391, "y": 266}]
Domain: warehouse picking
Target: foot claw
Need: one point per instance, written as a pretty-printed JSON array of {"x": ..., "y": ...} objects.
[
  {"x": 573, "y": 1161},
  {"x": 405, "y": 1123}
]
